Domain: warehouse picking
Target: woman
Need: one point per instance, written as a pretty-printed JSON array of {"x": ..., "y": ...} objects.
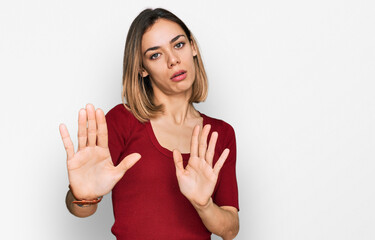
[{"x": 171, "y": 169}]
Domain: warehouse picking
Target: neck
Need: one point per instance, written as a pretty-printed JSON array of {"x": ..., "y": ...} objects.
[{"x": 177, "y": 109}]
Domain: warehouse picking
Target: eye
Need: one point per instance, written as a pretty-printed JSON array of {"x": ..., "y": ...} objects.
[
  {"x": 179, "y": 45},
  {"x": 154, "y": 56}
]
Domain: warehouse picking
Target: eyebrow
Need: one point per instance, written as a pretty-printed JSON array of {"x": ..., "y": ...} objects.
[{"x": 172, "y": 41}]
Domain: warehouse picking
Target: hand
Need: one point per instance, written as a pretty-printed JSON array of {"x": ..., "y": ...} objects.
[
  {"x": 197, "y": 181},
  {"x": 90, "y": 170}
]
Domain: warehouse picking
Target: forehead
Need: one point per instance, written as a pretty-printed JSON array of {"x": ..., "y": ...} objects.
[{"x": 161, "y": 33}]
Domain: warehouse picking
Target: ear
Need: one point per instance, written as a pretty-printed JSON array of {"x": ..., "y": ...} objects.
[
  {"x": 143, "y": 73},
  {"x": 193, "y": 48}
]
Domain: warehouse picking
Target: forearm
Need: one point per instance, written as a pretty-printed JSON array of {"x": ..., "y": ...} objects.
[
  {"x": 79, "y": 211},
  {"x": 220, "y": 221}
]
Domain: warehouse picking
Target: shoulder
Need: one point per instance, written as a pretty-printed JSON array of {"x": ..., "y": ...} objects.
[
  {"x": 226, "y": 132},
  {"x": 222, "y": 127},
  {"x": 119, "y": 112},
  {"x": 120, "y": 118}
]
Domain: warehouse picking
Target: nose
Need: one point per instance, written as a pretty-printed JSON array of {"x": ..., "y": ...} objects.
[{"x": 173, "y": 59}]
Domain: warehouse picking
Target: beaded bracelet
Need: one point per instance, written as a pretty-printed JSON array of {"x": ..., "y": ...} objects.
[
  {"x": 81, "y": 203},
  {"x": 88, "y": 202}
]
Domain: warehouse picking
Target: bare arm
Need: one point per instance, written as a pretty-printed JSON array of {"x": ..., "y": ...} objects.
[{"x": 222, "y": 221}]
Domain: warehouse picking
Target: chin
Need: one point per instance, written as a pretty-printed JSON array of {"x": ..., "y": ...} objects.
[{"x": 186, "y": 85}]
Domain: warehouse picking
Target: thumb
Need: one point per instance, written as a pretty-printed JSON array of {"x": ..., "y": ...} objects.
[
  {"x": 128, "y": 162},
  {"x": 177, "y": 157}
]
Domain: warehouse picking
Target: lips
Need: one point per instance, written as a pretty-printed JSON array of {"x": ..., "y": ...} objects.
[{"x": 179, "y": 75}]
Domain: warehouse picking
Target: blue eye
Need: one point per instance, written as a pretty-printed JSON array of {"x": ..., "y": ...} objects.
[
  {"x": 154, "y": 56},
  {"x": 179, "y": 45}
]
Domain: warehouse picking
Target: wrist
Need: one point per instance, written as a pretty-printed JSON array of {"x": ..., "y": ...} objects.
[
  {"x": 79, "y": 210},
  {"x": 84, "y": 202},
  {"x": 200, "y": 207}
]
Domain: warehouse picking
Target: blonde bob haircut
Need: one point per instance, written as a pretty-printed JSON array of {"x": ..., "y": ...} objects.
[{"x": 137, "y": 92}]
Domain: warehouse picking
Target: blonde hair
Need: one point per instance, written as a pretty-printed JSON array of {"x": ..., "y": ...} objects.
[{"x": 137, "y": 92}]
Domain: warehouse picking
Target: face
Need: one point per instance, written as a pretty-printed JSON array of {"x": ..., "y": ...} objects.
[{"x": 167, "y": 56}]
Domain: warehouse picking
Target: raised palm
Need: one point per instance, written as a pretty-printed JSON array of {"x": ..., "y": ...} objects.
[
  {"x": 90, "y": 170},
  {"x": 197, "y": 181}
]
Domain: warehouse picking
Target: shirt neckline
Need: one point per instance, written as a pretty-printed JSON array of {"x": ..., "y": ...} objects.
[{"x": 163, "y": 150}]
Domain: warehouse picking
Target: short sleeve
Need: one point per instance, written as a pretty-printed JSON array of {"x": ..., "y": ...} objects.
[
  {"x": 116, "y": 134},
  {"x": 226, "y": 193}
]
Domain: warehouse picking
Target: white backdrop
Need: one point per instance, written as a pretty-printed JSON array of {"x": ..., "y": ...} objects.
[{"x": 294, "y": 78}]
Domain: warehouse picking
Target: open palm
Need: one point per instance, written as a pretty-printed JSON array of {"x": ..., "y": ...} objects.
[
  {"x": 197, "y": 181},
  {"x": 90, "y": 170}
]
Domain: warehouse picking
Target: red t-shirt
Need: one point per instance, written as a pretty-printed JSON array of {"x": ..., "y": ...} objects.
[{"x": 147, "y": 201}]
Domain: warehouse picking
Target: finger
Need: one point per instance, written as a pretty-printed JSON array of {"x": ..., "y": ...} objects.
[
  {"x": 203, "y": 141},
  {"x": 68, "y": 144},
  {"x": 102, "y": 129},
  {"x": 194, "y": 142},
  {"x": 91, "y": 129},
  {"x": 82, "y": 129},
  {"x": 220, "y": 161},
  {"x": 177, "y": 157},
  {"x": 128, "y": 162},
  {"x": 211, "y": 148}
]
